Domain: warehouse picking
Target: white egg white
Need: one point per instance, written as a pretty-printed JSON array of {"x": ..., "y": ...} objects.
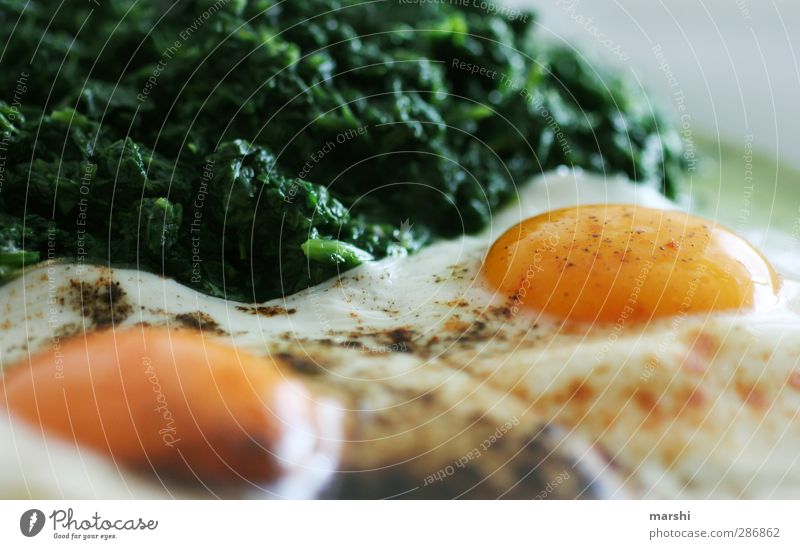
[{"x": 421, "y": 351}]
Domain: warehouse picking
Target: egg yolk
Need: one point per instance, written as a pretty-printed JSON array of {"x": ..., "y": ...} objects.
[
  {"x": 168, "y": 401},
  {"x": 621, "y": 263}
]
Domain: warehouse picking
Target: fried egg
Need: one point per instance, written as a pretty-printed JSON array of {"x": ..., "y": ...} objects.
[{"x": 595, "y": 341}]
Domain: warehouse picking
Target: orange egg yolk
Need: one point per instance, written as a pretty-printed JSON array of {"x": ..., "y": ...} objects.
[
  {"x": 169, "y": 401},
  {"x": 621, "y": 263}
]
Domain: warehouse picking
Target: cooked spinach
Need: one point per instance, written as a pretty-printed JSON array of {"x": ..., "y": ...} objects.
[{"x": 251, "y": 148}]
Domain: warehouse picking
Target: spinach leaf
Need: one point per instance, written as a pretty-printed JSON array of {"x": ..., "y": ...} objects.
[{"x": 251, "y": 148}]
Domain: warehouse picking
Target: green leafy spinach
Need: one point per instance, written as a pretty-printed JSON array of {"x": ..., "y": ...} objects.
[{"x": 251, "y": 148}]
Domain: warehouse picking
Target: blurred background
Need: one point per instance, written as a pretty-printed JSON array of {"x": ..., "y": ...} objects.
[
  {"x": 735, "y": 60},
  {"x": 729, "y": 71}
]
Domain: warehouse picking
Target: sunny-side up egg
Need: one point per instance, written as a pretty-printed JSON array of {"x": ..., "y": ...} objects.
[
  {"x": 174, "y": 404},
  {"x": 604, "y": 263},
  {"x": 661, "y": 339}
]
